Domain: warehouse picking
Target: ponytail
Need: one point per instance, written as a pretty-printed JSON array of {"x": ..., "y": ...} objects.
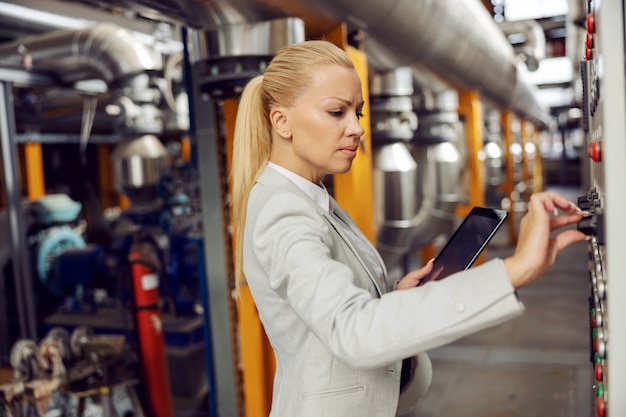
[{"x": 251, "y": 152}]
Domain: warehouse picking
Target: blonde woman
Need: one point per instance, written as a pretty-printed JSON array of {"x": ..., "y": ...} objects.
[{"x": 339, "y": 334}]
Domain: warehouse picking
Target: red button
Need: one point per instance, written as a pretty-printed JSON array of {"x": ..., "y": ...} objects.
[
  {"x": 598, "y": 371},
  {"x": 591, "y": 24},
  {"x": 588, "y": 54},
  {"x": 594, "y": 150},
  {"x": 589, "y": 41},
  {"x": 600, "y": 407}
]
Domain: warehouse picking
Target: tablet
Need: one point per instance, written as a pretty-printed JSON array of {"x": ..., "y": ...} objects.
[{"x": 466, "y": 243}]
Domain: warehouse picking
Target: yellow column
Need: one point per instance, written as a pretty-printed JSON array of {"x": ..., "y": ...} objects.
[
  {"x": 506, "y": 121},
  {"x": 33, "y": 170},
  {"x": 526, "y": 140},
  {"x": 537, "y": 164},
  {"x": 470, "y": 108}
]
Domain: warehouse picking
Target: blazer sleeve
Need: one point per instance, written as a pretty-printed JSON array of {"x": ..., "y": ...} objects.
[{"x": 292, "y": 243}]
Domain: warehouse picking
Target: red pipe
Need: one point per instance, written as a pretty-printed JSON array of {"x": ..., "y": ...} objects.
[{"x": 150, "y": 337}]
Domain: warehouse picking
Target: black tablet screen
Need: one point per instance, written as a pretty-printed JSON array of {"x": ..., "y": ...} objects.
[{"x": 466, "y": 243}]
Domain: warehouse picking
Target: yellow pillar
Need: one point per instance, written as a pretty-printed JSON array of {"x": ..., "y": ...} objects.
[
  {"x": 509, "y": 180},
  {"x": 33, "y": 170},
  {"x": 537, "y": 164},
  {"x": 526, "y": 139},
  {"x": 470, "y": 108}
]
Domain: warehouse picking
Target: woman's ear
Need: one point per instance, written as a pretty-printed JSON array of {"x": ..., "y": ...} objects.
[{"x": 278, "y": 117}]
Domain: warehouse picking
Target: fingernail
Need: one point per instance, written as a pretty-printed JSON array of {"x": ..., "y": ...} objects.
[
  {"x": 431, "y": 260},
  {"x": 584, "y": 213},
  {"x": 556, "y": 211}
]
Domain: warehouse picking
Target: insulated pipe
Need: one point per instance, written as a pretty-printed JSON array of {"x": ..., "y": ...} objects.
[
  {"x": 104, "y": 51},
  {"x": 457, "y": 40}
]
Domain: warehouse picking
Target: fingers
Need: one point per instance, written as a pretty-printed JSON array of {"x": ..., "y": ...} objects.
[
  {"x": 422, "y": 272},
  {"x": 566, "y": 238},
  {"x": 411, "y": 279},
  {"x": 564, "y": 220},
  {"x": 553, "y": 202},
  {"x": 536, "y": 249}
]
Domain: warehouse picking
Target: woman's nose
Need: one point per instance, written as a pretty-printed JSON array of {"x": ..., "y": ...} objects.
[{"x": 355, "y": 128}]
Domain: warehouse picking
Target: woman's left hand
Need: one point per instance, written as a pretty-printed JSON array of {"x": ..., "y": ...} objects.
[{"x": 411, "y": 279}]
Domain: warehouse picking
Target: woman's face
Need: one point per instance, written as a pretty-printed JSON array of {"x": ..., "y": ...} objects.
[{"x": 323, "y": 132}]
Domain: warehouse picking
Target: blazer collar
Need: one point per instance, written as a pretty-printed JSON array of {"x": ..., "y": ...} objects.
[{"x": 272, "y": 178}]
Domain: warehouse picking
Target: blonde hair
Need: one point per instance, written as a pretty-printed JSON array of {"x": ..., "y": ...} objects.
[{"x": 285, "y": 80}]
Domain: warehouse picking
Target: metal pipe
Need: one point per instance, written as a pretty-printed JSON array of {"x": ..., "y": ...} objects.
[
  {"x": 19, "y": 253},
  {"x": 104, "y": 51},
  {"x": 471, "y": 53}
]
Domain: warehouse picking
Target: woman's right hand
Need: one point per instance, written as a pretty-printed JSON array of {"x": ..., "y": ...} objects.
[
  {"x": 536, "y": 249},
  {"x": 411, "y": 279}
]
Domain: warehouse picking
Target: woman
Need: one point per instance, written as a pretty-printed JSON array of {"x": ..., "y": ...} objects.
[{"x": 338, "y": 334}]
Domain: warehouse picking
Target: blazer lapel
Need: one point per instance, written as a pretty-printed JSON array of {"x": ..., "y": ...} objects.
[
  {"x": 344, "y": 217},
  {"x": 272, "y": 177}
]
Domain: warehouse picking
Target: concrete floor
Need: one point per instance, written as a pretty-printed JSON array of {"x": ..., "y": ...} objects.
[{"x": 536, "y": 365}]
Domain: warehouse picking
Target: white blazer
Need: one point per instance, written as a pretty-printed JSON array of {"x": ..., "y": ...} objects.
[{"x": 338, "y": 335}]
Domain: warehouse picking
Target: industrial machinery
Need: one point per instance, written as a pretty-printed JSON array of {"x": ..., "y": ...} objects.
[
  {"x": 100, "y": 84},
  {"x": 604, "y": 123},
  {"x": 72, "y": 374},
  {"x": 79, "y": 256}
]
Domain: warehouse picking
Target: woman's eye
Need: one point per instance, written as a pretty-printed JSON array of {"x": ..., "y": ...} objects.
[
  {"x": 336, "y": 113},
  {"x": 359, "y": 115}
]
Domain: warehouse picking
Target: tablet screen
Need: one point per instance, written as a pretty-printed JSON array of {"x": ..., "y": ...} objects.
[{"x": 467, "y": 242}]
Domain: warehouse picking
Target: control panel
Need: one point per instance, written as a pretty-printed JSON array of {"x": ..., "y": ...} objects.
[{"x": 604, "y": 123}]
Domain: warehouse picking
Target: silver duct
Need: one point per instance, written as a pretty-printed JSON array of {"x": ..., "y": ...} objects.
[
  {"x": 249, "y": 39},
  {"x": 458, "y": 40},
  {"x": 104, "y": 51},
  {"x": 416, "y": 162}
]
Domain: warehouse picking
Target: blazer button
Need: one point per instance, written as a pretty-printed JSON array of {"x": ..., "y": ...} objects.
[{"x": 459, "y": 307}]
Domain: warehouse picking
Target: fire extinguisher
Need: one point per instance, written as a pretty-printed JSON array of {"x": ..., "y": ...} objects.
[{"x": 149, "y": 329}]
